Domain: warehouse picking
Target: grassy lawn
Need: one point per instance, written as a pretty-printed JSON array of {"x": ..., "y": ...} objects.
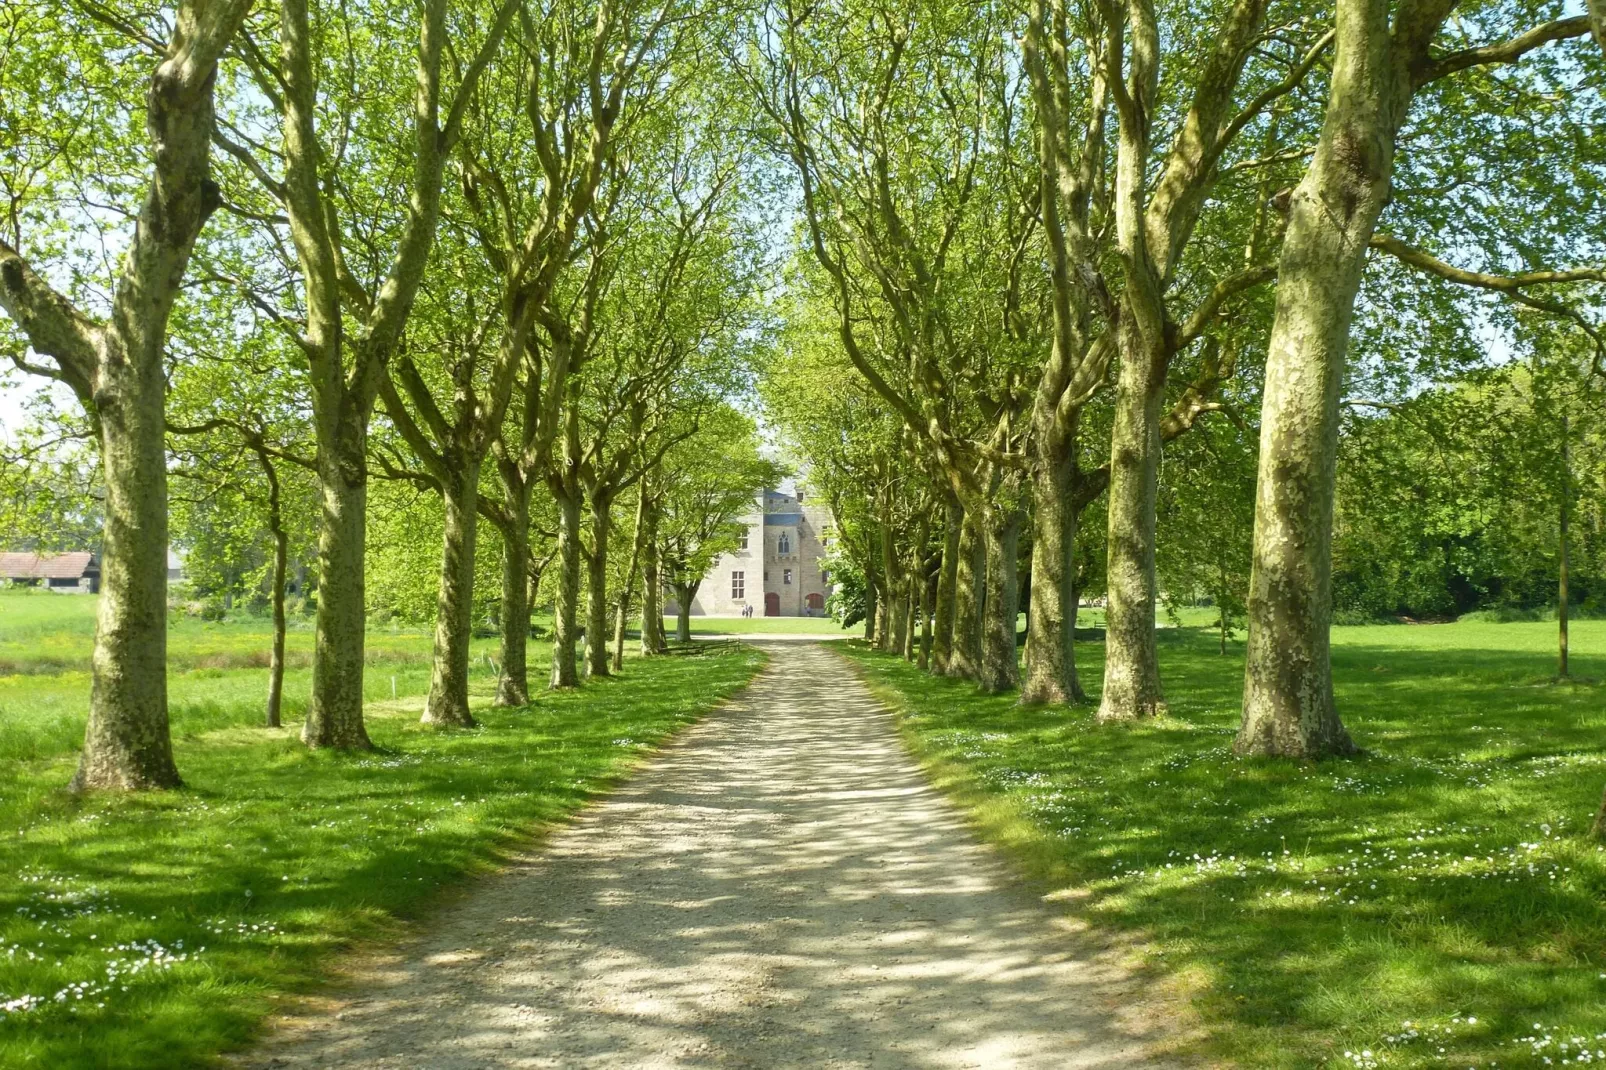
[
  {"x": 763, "y": 625},
  {"x": 1434, "y": 903},
  {"x": 158, "y": 930}
]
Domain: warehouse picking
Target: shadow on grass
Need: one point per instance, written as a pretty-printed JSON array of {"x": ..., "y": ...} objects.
[
  {"x": 273, "y": 858},
  {"x": 1315, "y": 908}
]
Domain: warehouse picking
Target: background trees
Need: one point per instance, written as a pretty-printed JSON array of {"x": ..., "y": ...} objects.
[{"x": 1025, "y": 292}]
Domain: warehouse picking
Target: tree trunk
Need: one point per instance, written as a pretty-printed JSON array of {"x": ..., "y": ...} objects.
[
  {"x": 999, "y": 671},
  {"x": 1051, "y": 629},
  {"x": 943, "y": 641},
  {"x": 1222, "y": 605},
  {"x": 928, "y": 586},
  {"x": 621, "y": 616},
  {"x": 116, "y": 370},
  {"x": 1288, "y": 685},
  {"x": 334, "y": 716},
  {"x": 1600, "y": 820},
  {"x": 898, "y": 612},
  {"x": 127, "y": 745},
  {"x": 625, "y": 596},
  {"x": 597, "y": 584},
  {"x": 872, "y": 608},
  {"x": 513, "y": 685},
  {"x": 684, "y": 593},
  {"x": 652, "y": 610},
  {"x": 971, "y": 573},
  {"x": 1561, "y": 572},
  {"x": 281, "y": 562},
  {"x": 1131, "y": 662},
  {"x": 911, "y": 607},
  {"x": 454, "y": 608},
  {"x": 893, "y": 594},
  {"x": 565, "y": 610}
]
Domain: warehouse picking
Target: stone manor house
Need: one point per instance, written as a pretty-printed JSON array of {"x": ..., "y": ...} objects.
[{"x": 776, "y": 567}]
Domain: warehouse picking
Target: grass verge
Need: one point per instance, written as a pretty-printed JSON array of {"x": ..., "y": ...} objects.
[
  {"x": 1434, "y": 903},
  {"x": 158, "y": 930}
]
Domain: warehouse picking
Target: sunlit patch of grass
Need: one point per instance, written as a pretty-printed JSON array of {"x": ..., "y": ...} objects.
[
  {"x": 1432, "y": 903},
  {"x": 157, "y": 930}
]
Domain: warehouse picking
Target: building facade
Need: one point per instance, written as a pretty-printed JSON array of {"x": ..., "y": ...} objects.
[
  {"x": 77, "y": 572},
  {"x": 776, "y": 571}
]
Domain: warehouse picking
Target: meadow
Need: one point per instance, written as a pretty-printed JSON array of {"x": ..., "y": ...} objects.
[
  {"x": 160, "y": 929},
  {"x": 1435, "y": 902}
]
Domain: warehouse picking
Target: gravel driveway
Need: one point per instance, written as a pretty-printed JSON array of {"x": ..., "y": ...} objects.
[{"x": 779, "y": 888}]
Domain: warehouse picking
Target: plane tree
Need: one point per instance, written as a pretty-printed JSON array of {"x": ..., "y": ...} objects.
[{"x": 100, "y": 325}]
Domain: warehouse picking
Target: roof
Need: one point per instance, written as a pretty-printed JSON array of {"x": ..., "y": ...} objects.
[{"x": 31, "y": 566}]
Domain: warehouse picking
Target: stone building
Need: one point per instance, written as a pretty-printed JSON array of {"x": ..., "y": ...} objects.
[{"x": 776, "y": 569}]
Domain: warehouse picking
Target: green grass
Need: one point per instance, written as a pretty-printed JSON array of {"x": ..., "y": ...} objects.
[
  {"x": 158, "y": 930},
  {"x": 769, "y": 625},
  {"x": 1434, "y": 903}
]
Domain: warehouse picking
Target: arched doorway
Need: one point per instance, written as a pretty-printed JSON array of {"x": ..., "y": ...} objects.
[
  {"x": 772, "y": 604},
  {"x": 816, "y": 603}
]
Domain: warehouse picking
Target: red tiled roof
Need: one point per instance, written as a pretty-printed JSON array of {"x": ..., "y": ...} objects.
[{"x": 29, "y": 566}]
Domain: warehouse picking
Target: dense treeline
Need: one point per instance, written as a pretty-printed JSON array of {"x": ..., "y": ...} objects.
[
  {"x": 1279, "y": 304},
  {"x": 332, "y": 286},
  {"x": 1323, "y": 261}
]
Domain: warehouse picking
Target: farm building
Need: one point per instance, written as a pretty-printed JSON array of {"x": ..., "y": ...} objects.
[{"x": 77, "y": 572}]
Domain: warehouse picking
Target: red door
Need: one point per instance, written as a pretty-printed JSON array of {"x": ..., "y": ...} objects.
[
  {"x": 817, "y": 602},
  {"x": 772, "y": 604}
]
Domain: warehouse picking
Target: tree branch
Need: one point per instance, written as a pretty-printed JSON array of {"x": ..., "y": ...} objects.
[{"x": 1504, "y": 51}]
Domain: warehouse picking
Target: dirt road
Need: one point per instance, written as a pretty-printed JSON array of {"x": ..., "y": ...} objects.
[{"x": 780, "y": 888}]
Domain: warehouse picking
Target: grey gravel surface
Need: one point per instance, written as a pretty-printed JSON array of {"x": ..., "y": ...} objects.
[{"x": 779, "y": 888}]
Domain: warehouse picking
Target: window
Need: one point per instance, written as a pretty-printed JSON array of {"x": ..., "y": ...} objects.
[
  {"x": 825, "y": 577},
  {"x": 786, "y": 544},
  {"x": 786, "y": 575},
  {"x": 738, "y": 585},
  {"x": 741, "y": 541}
]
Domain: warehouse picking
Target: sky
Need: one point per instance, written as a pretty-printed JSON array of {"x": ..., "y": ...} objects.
[{"x": 17, "y": 390}]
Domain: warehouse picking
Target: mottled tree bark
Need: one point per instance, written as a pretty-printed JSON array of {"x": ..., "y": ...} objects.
[
  {"x": 898, "y": 613},
  {"x": 684, "y": 593},
  {"x": 127, "y": 744},
  {"x": 447, "y": 703},
  {"x": 894, "y": 595},
  {"x": 999, "y": 670},
  {"x": 334, "y": 716},
  {"x": 281, "y": 564},
  {"x": 626, "y": 596},
  {"x": 942, "y": 645},
  {"x": 1131, "y": 662},
  {"x": 115, "y": 369},
  {"x": 1378, "y": 66},
  {"x": 971, "y": 573},
  {"x": 1288, "y": 687},
  {"x": 928, "y": 594},
  {"x": 1561, "y": 570},
  {"x": 565, "y": 609},
  {"x": 911, "y": 628},
  {"x": 347, "y": 362},
  {"x": 597, "y": 587},
  {"x": 513, "y": 683},
  {"x": 621, "y": 616},
  {"x": 1051, "y": 630},
  {"x": 652, "y": 612},
  {"x": 872, "y": 609}
]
